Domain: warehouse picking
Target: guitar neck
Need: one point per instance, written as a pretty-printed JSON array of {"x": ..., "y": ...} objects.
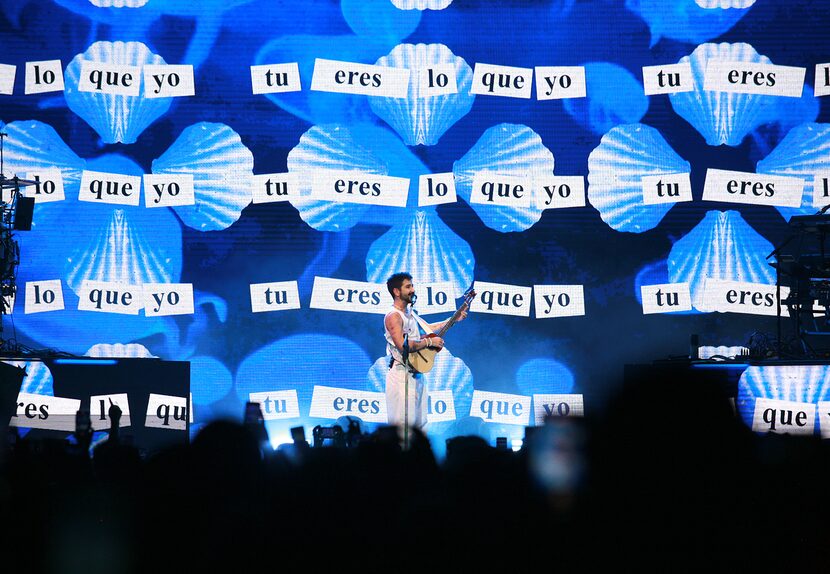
[{"x": 451, "y": 321}]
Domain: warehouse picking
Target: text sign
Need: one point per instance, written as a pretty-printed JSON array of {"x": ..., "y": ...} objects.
[
  {"x": 167, "y": 412},
  {"x": 436, "y": 189},
  {"x": 784, "y": 417},
  {"x": 110, "y": 297},
  {"x": 44, "y": 76},
  {"x": 273, "y": 187},
  {"x": 666, "y": 188},
  {"x": 822, "y": 84},
  {"x": 558, "y": 301},
  {"x": 163, "y": 299},
  {"x": 437, "y": 80},
  {"x": 666, "y": 298},
  {"x": 668, "y": 79},
  {"x": 276, "y": 78},
  {"x": 333, "y": 403},
  {"x": 493, "y": 189},
  {"x": 752, "y": 189},
  {"x": 43, "y": 296},
  {"x": 558, "y": 82},
  {"x": 821, "y": 189},
  {"x": 168, "y": 81},
  {"x": 113, "y": 79},
  {"x": 7, "y": 74},
  {"x": 558, "y": 192},
  {"x": 740, "y": 297},
  {"x": 500, "y": 408},
  {"x": 823, "y": 413},
  {"x": 45, "y": 412},
  {"x": 354, "y": 296},
  {"x": 750, "y": 78},
  {"x": 501, "y": 299},
  {"x": 359, "y": 187},
  {"x": 435, "y": 298},
  {"x": 276, "y": 405},
  {"x": 115, "y": 188},
  {"x": 440, "y": 406},
  {"x": 276, "y": 296},
  {"x": 99, "y": 406},
  {"x": 168, "y": 190},
  {"x": 49, "y": 185},
  {"x": 364, "y": 79},
  {"x": 557, "y": 405},
  {"x": 506, "y": 81}
]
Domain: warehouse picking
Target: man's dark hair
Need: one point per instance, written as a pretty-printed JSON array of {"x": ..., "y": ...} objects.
[{"x": 396, "y": 281}]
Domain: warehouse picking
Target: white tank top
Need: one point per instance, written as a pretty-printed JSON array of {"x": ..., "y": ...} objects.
[{"x": 410, "y": 327}]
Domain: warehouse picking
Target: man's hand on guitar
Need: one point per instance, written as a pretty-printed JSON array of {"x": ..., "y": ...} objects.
[
  {"x": 462, "y": 316},
  {"x": 434, "y": 342}
]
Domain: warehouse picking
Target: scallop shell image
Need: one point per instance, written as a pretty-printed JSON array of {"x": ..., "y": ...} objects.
[
  {"x": 427, "y": 248},
  {"x": 616, "y": 167},
  {"x": 724, "y": 4},
  {"x": 128, "y": 248},
  {"x": 119, "y": 350},
  {"x": 421, "y": 4},
  {"x": 722, "y": 246},
  {"x": 795, "y": 383},
  {"x": 506, "y": 150},
  {"x": 222, "y": 169},
  {"x": 35, "y": 146},
  {"x": 418, "y": 118},
  {"x": 802, "y": 153},
  {"x": 722, "y": 117},
  {"x": 38, "y": 379},
  {"x": 119, "y": 3},
  {"x": 116, "y": 118},
  {"x": 326, "y": 148}
]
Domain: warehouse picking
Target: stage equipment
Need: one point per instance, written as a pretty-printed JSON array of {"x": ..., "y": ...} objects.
[
  {"x": 802, "y": 263},
  {"x": 15, "y": 214}
]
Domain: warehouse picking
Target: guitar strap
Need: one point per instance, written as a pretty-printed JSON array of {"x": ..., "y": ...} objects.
[{"x": 424, "y": 325}]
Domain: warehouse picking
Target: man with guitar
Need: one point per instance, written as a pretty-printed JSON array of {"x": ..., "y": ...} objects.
[{"x": 400, "y": 328}]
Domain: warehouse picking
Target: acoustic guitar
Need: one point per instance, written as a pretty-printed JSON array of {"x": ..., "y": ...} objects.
[{"x": 423, "y": 360}]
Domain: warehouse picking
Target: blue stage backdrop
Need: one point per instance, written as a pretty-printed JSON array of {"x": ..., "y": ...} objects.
[{"x": 231, "y": 182}]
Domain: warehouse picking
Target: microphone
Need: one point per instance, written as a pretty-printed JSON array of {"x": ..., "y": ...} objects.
[{"x": 413, "y": 299}]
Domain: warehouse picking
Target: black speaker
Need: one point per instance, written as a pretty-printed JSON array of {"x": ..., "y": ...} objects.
[{"x": 23, "y": 213}]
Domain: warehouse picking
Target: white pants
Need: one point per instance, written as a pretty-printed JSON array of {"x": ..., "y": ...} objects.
[{"x": 395, "y": 382}]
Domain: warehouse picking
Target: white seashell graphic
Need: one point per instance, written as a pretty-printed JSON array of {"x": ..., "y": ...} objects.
[
  {"x": 421, "y": 4},
  {"x": 724, "y": 4},
  {"x": 119, "y": 3},
  {"x": 119, "y": 350},
  {"x": 116, "y": 118},
  {"x": 323, "y": 148},
  {"x": 416, "y": 118},
  {"x": 506, "y": 150},
  {"x": 796, "y": 383},
  {"x": 124, "y": 252},
  {"x": 804, "y": 151},
  {"x": 616, "y": 167},
  {"x": 427, "y": 248},
  {"x": 222, "y": 169},
  {"x": 34, "y": 146},
  {"x": 722, "y": 246},
  {"x": 38, "y": 379},
  {"x": 721, "y": 117}
]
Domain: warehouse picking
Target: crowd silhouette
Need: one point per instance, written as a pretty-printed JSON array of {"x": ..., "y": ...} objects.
[{"x": 665, "y": 479}]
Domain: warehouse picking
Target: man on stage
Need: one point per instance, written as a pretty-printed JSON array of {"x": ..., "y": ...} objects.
[{"x": 398, "y": 322}]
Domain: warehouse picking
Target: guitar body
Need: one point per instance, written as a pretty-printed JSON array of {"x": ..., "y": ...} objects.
[{"x": 423, "y": 360}]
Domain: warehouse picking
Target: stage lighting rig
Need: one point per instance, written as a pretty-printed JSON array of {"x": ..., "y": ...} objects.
[{"x": 15, "y": 214}]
